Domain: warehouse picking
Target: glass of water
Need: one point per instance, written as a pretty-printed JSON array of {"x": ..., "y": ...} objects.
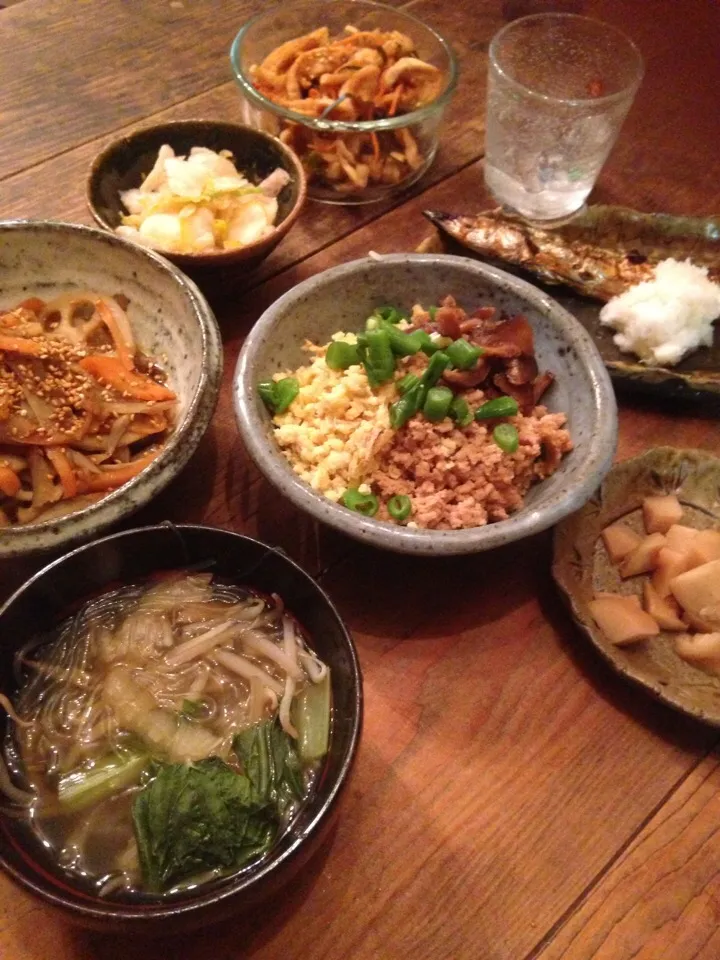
[{"x": 559, "y": 87}]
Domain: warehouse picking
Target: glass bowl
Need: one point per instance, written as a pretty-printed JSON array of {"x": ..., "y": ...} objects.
[{"x": 347, "y": 160}]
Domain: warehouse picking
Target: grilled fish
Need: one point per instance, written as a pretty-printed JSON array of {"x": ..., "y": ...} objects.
[{"x": 600, "y": 253}]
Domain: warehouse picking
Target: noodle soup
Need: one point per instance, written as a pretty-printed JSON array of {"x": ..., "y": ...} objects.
[{"x": 166, "y": 735}]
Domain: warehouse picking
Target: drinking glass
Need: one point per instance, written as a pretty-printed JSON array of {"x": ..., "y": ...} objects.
[{"x": 559, "y": 88}]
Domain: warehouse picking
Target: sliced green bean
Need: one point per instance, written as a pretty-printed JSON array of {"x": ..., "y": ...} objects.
[
  {"x": 437, "y": 403},
  {"x": 399, "y": 507},
  {"x": 506, "y": 437},
  {"x": 365, "y": 503},
  {"x": 499, "y": 407}
]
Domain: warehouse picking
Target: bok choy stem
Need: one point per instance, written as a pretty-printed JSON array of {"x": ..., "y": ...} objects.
[{"x": 311, "y": 717}]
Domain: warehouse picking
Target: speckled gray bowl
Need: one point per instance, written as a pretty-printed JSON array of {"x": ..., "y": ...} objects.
[
  {"x": 170, "y": 318},
  {"x": 341, "y": 299}
]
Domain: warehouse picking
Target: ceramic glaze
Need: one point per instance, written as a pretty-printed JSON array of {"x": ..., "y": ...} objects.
[
  {"x": 341, "y": 299},
  {"x": 171, "y": 320}
]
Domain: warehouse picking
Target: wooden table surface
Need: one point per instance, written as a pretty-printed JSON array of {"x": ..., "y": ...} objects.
[{"x": 512, "y": 798}]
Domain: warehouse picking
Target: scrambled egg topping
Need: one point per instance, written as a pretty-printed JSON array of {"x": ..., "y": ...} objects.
[{"x": 335, "y": 426}]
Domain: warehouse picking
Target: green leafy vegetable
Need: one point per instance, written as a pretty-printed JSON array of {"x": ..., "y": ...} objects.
[
  {"x": 191, "y": 818},
  {"x": 272, "y": 765},
  {"x": 191, "y": 709},
  {"x": 196, "y": 817},
  {"x": 311, "y": 716},
  {"x": 83, "y": 787}
]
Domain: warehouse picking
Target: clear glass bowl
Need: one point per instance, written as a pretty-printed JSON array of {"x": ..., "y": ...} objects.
[{"x": 384, "y": 139}]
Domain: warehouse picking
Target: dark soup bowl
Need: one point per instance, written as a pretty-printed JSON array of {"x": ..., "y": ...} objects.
[{"x": 130, "y": 557}]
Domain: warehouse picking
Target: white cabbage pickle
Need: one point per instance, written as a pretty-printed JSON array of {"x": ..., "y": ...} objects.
[{"x": 200, "y": 204}]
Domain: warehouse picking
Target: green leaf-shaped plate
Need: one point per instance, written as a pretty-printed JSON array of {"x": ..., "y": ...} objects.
[{"x": 583, "y": 262}]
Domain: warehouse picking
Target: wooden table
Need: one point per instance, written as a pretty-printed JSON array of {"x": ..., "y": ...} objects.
[{"x": 512, "y": 798}]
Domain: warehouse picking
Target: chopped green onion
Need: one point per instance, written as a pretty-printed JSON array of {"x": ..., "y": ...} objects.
[
  {"x": 506, "y": 437},
  {"x": 499, "y": 407},
  {"x": 377, "y": 357},
  {"x": 404, "y": 344},
  {"x": 285, "y": 392},
  {"x": 341, "y": 355},
  {"x": 266, "y": 389},
  {"x": 406, "y": 383},
  {"x": 461, "y": 412},
  {"x": 462, "y": 354},
  {"x": 407, "y": 406},
  {"x": 433, "y": 344},
  {"x": 390, "y": 313},
  {"x": 399, "y": 507},
  {"x": 365, "y": 503},
  {"x": 438, "y": 364},
  {"x": 432, "y": 311},
  {"x": 437, "y": 403}
]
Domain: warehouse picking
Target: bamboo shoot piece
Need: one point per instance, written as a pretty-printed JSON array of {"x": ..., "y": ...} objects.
[
  {"x": 621, "y": 621},
  {"x": 705, "y": 547},
  {"x": 681, "y": 538},
  {"x": 660, "y": 513},
  {"x": 698, "y": 593},
  {"x": 663, "y": 610},
  {"x": 642, "y": 559},
  {"x": 669, "y": 564},
  {"x": 700, "y": 649},
  {"x": 619, "y": 541}
]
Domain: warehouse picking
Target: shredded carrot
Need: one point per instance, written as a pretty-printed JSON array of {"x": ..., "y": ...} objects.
[
  {"x": 375, "y": 146},
  {"x": 117, "y": 476},
  {"x": 111, "y": 370},
  {"x": 395, "y": 99},
  {"x": 121, "y": 346},
  {"x": 9, "y": 481},
  {"x": 58, "y": 458},
  {"x": 28, "y": 348}
]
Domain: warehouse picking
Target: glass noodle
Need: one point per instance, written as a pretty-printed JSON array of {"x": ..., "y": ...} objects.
[{"x": 143, "y": 688}]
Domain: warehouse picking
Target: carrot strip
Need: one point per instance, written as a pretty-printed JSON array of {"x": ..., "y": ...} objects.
[
  {"x": 32, "y": 303},
  {"x": 28, "y": 348},
  {"x": 109, "y": 479},
  {"x": 9, "y": 481},
  {"x": 395, "y": 98},
  {"x": 375, "y": 146},
  {"x": 111, "y": 370},
  {"x": 63, "y": 467},
  {"x": 123, "y": 351}
]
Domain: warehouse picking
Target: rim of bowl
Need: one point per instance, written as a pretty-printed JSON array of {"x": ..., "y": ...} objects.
[
  {"x": 253, "y": 426},
  {"x": 357, "y": 126},
  {"x": 233, "y": 887},
  {"x": 627, "y": 92},
  {"x": 207, "y": 256},
  {"x": 184, "y": 438}
]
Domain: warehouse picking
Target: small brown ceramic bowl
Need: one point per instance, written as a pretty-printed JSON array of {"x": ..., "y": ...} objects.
[{"x": 123, "y": 163}]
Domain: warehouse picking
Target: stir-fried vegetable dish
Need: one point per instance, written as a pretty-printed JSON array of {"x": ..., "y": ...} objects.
[
  {"x": 166, "y": 734},
  {"x": 200, "y": 203},
  {"x": 82, "y": 409},
  {"x": 360, "y": 76}
]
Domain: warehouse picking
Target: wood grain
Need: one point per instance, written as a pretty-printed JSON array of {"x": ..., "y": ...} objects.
[
  {"x": 512, "y": 798},
  {"x": 661, "y": 899}
]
